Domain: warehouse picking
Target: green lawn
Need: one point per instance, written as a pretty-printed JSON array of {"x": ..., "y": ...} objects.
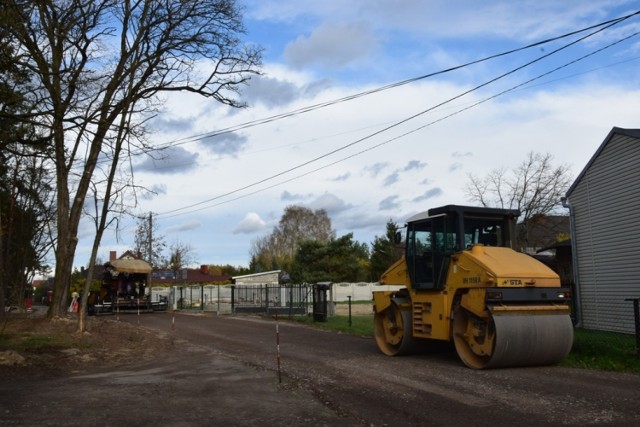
[
  {"x": 360, "y": 325},
  {"x": 605, "y": 351}
]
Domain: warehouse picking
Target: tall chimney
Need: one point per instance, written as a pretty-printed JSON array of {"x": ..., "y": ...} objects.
[{"x": 112, "y": 256}]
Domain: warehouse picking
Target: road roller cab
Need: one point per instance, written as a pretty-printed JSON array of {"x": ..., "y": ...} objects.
[{"x": 463, "y": 282}]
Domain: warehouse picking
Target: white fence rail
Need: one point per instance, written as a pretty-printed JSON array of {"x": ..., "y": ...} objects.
[{"x": 358, "y": 291}]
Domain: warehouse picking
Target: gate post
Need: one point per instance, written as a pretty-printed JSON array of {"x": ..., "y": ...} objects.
[
  {"x": 636, "y": 317},
  {"x": 233, "y": 299},
  {"x": 320, "y": 309}
]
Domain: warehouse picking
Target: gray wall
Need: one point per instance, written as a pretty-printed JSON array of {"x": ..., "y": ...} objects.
[{"x": 605, "y": 200}]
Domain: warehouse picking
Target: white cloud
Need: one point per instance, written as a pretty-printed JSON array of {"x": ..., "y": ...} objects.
[
  {"x": 185, "y": 226},
  {"x": 225, "y": 144},
  {"x": 332, "y": 45},
  {"x": 429, "y": 194},
  {"x": 288, "y": 197},
  {"x": 414, "y": 164},
  {"x": 455, "y": 166},
  {"x": 270, "y": 91},
  {"x": 251, "y": 223},
  {"x": 155, "y": 190},
  {"x": 342, "y": 177},
  {"x": 389, "y": 203},
  {"x": 170, "y": 160},
  {"x": 391, "y": 179},
  {"x": 331, "y": 203},
  {"x": 376, "y": 168}
]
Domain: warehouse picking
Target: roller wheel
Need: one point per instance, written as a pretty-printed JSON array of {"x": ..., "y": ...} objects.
[
  {"x": 511, "y": 340},
  {"x": 393, "y": 331},
  {"x": 474, "y": 338}
]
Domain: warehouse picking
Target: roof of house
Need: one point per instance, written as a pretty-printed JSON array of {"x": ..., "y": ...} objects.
[
  {"x": 557, "y": 245},
  {"x": 634, "y": 133},
  {"x": 264, "y": 273},
  {"x": 131, "y": 266},
  {"x": 189, "y": 276}
]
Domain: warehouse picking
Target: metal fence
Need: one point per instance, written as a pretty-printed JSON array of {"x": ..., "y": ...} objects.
[
  {"x": 286, "y": 299},
  {"x": 227, "y": 299}
]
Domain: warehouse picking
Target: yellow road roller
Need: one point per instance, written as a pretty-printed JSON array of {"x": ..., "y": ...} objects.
[{"x": 461, "y": 281}]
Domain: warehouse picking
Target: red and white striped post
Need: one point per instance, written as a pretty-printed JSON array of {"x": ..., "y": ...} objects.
[
  {"x": 138, "y": 294},
  {"x": 278, "y": 347}
]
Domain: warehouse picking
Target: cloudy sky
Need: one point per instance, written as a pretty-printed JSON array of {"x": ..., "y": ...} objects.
[{"x": 392, "y": 152}]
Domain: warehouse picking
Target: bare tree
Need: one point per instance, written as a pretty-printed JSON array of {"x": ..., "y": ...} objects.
[
  {"x": 148, "y": 242},
  {"x": 108, "y": 196},
  {"x": 297, "y": 224},
  {"x": 535, "y": 187},
  {"x": 181, "y": 256},
  {"x": 95, "y": 61}
]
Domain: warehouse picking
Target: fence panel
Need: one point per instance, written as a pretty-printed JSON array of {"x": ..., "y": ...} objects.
[
  {"x": 259, "y": 298},
  {"x": 267, "y": 298}
]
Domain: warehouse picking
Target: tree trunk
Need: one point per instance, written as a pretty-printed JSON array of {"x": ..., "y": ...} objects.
[
  {"x": 65, "y": 247},
  {"x": 3, "y": 285},
  {"x": 82, "y": 313}
]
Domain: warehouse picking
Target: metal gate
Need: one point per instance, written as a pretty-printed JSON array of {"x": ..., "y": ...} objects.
[{"x": 285, "y": 300}]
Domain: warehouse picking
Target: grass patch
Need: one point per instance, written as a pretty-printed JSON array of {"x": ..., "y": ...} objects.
[
  {"x": 603, "y": 351},
  {"x": 359, "y": 302},
  {"x": 360, "y": 325},
  {"x": 36, "y": 343},
  {"x": 22, "y": 340}
]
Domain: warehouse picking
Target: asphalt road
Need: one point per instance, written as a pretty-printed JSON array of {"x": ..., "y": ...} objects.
[{"x": 225, "y": 371}]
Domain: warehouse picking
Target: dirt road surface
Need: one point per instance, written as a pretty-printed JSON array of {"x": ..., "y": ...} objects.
[{"x": 223, "y": 370}]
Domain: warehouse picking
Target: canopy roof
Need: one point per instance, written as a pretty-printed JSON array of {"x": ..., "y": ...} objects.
[{"x": 131, "y": 266}]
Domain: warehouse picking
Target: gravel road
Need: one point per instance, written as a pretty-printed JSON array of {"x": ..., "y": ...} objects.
[{"x": 224, "y": 370}]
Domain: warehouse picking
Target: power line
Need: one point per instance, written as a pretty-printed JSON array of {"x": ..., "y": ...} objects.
[
  {"x": 475, "y": 104},
  {"x": 398, "y": 123},
  {"x": 250, "y": 124},
  {"x": 306, "y": 109},
  {"x": 258, "y": 122}
]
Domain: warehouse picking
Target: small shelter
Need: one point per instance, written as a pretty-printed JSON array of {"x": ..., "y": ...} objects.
[{"x": 126, "y": 276}]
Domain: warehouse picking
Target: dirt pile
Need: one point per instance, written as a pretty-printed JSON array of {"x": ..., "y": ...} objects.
[{"x": 54, "y": 345}]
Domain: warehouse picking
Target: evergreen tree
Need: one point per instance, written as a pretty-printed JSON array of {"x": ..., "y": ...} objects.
[
  {"x": 385, "y": 251},
  {"x": 339, "y": 260}
]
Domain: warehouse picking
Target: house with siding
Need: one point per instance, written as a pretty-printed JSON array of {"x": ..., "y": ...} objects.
[{"x": 604, "y": 207}]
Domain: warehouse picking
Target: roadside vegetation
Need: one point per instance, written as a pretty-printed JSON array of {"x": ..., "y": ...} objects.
[
  {"x": 25, "y": 341},
  {"x": 360, "y": 325},
  {"x": 604, "y": 351}
]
